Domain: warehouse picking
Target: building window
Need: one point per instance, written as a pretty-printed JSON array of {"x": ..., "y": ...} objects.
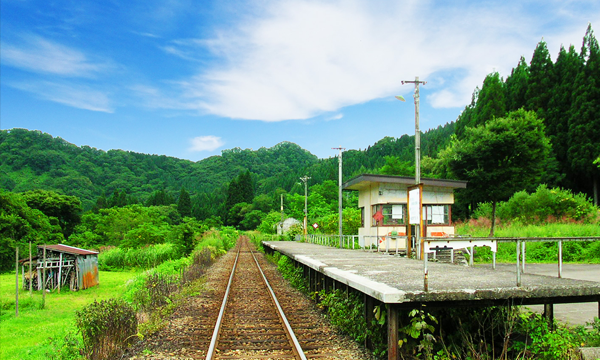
[
  {"x": 389, "y": 215},
  {"x": 436, "y": 214}
]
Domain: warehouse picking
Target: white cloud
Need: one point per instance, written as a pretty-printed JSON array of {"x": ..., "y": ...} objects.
[
  {"x": 298, "y": 59},
  {"x": 335, "y": 117},
  {"x": 206, "y": 143},
  {"x": 37, "y": 54},
  {"x": 78, "y": 96}
]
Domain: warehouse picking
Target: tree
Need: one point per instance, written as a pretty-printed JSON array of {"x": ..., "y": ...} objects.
[
  {"x": 540, "y": 80},
  {"x": 252, "y": 220},
  {"x": 394, "y": 166},
  {"x": 491, "y": 102},
  {"x": 516, "y": 86},
  {"x": 20, "y": 224},
  {"x": 184, "y": 203},
  {"x": 560, "y": 109},
  {"x": 160, "y": 198},
  {"x": 499, "y": 158},
  {"x": 66, "y": 209},
  {"x": 584, "y": 136}
]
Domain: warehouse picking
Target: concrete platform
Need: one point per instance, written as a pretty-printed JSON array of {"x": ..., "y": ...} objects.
[{"x": 397, "y": 280}]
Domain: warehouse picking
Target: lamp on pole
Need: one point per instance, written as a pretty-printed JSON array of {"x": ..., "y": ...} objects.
[{"x": 305, "y": 179}]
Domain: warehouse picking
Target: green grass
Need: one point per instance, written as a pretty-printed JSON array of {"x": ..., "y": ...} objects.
[
  {"x": 26, "y": 336},
  {"x": 540, "y": 252},
  {"x": 476, "y": 229}
]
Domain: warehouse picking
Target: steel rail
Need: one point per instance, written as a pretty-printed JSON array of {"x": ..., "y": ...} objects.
[
  {"x": 217, "y": 331},
  {"x": 296, "y": 345}
]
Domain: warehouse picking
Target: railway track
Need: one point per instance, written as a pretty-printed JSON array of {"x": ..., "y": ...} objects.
[
  {"x": 250, "y": 325},
  {"x": 253, "y": 324}
]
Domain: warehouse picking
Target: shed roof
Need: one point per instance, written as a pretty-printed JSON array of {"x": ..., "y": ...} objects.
[
  {"x": 362, "y": 181},
  {"x": 69, "y": 249}
]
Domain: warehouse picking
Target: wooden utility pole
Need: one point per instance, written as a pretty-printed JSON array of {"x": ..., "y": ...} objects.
[{"x": 341, "y": 149}]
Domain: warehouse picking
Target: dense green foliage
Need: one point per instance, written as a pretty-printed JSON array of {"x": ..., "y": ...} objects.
[
  {"x": 543, "y": 206},
  {"x": 564, "y": 94},
  {"x": 500, "y": 157}
]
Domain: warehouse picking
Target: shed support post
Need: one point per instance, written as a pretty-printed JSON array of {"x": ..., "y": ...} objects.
[
  {"x": 392, "y": 330},
  {"x": 60, "y": 272}
]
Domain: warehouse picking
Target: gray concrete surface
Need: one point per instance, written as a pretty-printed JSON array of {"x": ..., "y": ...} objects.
[
  {"x": 590, "y": 353},
  {"x": 574, "y": 314},
  {"x": 394, "y": 279}
]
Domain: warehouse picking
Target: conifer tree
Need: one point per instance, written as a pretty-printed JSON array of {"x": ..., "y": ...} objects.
[
  {"x": 516, "y": 86},
  {"x": 491, "y": 102},
  {"x": 540, "y": 80},
  {"x": 584, "y": 123},
  {"x": 568, "y": 65},
  {"x": 184, "y": 203}
]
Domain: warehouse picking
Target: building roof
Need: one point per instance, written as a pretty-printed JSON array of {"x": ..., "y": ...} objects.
[
  {"x": 69, "y": 249},
  {"x": 362, "y": 181}
]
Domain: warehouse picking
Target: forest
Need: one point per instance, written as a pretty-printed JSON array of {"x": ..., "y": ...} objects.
[{"x": 539, "y": 125}]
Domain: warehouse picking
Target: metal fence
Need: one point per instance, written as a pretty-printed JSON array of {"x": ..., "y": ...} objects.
[{"x": 372, "y": 243}]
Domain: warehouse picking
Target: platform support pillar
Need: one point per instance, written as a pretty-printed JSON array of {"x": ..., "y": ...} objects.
[
  {"x": 392, "y": 331},
  {"x": 549, "y": 315}
]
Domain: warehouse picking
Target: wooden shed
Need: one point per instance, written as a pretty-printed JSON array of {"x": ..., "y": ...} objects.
[{"x": 63, "y": 265}]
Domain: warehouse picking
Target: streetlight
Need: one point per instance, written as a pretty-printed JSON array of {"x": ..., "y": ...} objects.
[{"x": 305, "y": 179}]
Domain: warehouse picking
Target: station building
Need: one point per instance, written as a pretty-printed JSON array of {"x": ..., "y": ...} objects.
[{"x": 383, "y": 201}]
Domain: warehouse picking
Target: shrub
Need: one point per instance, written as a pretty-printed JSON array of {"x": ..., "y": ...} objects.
[
  {"x": 106, "y": 328},
  {"x": 544, "y": 205},
  {"x": 145, "y": 258}
]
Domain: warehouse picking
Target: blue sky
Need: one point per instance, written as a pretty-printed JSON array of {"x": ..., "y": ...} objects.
[{"x": 190, "y": 78}]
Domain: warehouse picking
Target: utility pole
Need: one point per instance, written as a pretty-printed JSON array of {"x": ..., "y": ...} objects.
[
  {"x": 417, "y": 160},
  {"x": 305, "y": 179},
  {"x": 417, "y": 131},
  {"x": 341, "y": 149},
  {"x": 281, "y": 214}
]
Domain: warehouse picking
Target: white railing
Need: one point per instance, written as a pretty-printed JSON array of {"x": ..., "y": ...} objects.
[{"x": 347, "y": 241}]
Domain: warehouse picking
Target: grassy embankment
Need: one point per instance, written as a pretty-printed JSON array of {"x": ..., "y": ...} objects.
[
  {"x": 23, "y": 337},
  {"x": 42, "y": 334}
]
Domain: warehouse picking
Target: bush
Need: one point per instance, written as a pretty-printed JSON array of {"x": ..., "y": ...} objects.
[
  {"x": 106, "y": 328},
  {"x": 544, "y": 205},
  {"x": 145, "y": 258}
]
